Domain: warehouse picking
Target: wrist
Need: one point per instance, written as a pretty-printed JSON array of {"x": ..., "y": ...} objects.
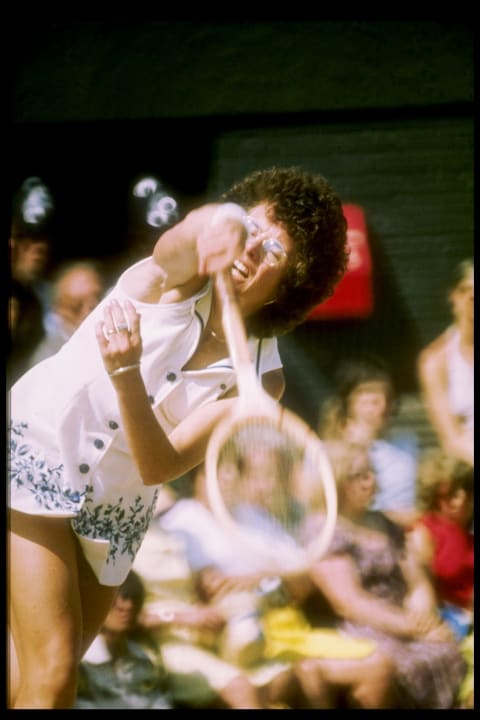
[
  {"x": 230, "y": 211},
  {"x": 124, "y": 369},
  {"x": 166, "y": 617}
]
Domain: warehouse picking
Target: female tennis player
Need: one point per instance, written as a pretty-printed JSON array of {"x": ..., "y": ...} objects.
[{"x": 130, "y": 400}]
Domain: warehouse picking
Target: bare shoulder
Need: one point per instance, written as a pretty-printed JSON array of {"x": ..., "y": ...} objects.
[
  {"x": 420, "y": 543},
  {"x": 170, "y": 273},
  {"x": 433, "y": 356}
]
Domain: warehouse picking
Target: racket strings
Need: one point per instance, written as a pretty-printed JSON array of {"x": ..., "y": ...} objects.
[{"x": 269, "y": 480}]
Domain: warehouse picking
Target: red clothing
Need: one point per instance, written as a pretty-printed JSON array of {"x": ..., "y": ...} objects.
[{"x": 452, "y": 564}]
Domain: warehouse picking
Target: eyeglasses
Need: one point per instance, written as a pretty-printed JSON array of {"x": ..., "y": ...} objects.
[{"x": 273, "y": 251}]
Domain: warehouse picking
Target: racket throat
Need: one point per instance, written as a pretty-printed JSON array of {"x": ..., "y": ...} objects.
[{"x": 247, "y": 384}]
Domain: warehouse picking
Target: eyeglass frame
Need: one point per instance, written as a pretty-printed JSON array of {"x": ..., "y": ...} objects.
[{"x": 269, "y": 244}]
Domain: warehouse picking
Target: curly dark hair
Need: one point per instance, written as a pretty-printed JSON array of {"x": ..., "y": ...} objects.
[{"x": 309, "y": 209}]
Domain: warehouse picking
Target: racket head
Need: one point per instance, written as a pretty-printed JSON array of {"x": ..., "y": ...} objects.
[{"x": 270, "y": 483}]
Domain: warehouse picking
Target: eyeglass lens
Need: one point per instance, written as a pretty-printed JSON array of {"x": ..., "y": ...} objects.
[{"x": 273, "y": 250}]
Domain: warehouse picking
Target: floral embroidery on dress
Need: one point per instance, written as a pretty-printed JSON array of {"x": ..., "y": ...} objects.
[
  {"x": 123, "y": 523},
  {"x": 124, "y": 527},
  {"x": 32, "y": 473}
]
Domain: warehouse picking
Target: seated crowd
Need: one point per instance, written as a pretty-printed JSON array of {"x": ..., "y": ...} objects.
[{"x": 383, "y": 620}]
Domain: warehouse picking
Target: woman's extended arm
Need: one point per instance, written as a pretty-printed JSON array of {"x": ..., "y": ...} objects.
[
  {"x": 337, "y": 578},
  {"x": 158, "y": 457},
  {"x": 204, "y": 242}
]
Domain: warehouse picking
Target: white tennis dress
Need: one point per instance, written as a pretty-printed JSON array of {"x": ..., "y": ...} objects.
[{"x": 68, "y": 452}]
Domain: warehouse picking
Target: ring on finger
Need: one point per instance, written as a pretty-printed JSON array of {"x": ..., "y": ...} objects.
[
  {"x": 113, "y": 331},
  {"x": 121, "y": 327}
]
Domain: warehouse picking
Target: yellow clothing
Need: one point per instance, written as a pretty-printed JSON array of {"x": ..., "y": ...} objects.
[
  {"x": 465, "y": 695},
  {"x": 289, "y": 636}
]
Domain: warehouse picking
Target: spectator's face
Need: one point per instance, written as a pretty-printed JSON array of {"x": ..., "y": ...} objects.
[
  {"x": 79, "y": 293},
  {"x": 122, "y": 616},
  {"x": 458, "y": 507},
  {"x": 29, "y": 257},
  {"x": 368, "y": 404},
  {"x": 358, "y": 487}
]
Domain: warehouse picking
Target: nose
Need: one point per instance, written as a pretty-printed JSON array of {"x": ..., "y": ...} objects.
[
  {"x": 125, "y": 606},
  {"x": 253, "y": 247},
  {"x": 368, "y": 478}
]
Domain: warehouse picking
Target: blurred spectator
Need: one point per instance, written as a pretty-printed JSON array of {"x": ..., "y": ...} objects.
[
  {"x": 445, "y": 370},
  {"x": 342, "y": 683},
  {"x": 466, "y": 694},
  {"x": 32, "y": 224},
  {"x": 378, "y": 590},
  {"x": 120, "y": 669},
  {"x": 189, "y": 630},
  {"x": 444, "y": 544},
  {"x": 266, "y": 631},
  {"x": 76, "y": 289},
  {"x": 442, "y": 536},
  {"x": 30, "y": 251},
  {"x": 360, "y": 410}
]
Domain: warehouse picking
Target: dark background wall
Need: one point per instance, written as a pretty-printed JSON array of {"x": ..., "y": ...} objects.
[{"x": 384, "y": 109}]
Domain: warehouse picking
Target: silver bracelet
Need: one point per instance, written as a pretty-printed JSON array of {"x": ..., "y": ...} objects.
[{"x": 124, "y": 369}]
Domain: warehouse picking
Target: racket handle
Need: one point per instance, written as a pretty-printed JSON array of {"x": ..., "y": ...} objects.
[{"x": 235, "y": 332}]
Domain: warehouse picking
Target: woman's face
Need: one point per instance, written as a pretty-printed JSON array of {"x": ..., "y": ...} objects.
[
  {"x": 254, "y": 277},
  {"x": 368, "y": 404},
  {"x": 122, "y": 615},
  {"x": 80, "y": 291},
  {"x": 30, "y": 257},
  {"x": 358, "y": 487},
  {"x": 458, "y": 507}
]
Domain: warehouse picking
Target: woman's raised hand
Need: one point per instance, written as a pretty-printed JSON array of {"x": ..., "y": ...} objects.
[
  {"x": 118, "y": 337},
  {"x": 222, "y": 240}
]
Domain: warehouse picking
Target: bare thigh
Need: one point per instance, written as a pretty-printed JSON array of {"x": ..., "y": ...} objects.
[
  {"x": 55, "y": 603},
  {"x": 350, "y": 672},
  {"x": 95, "y": 599}
]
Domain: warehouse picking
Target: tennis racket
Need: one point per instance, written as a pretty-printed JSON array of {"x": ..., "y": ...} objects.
[{"x": 268, "y": 477}]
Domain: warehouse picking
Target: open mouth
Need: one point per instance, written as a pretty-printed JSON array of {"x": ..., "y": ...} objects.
[{"x": 241, "y": 269}]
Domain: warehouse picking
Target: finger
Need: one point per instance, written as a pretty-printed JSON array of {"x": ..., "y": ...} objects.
[
  {"x": 132, "y": 317},
  {"x": 101, "y": 336},
  {"x": 116, "y": 321},
  {"x": 120, "y": 320},
  {"x": 109, "y": 328}
]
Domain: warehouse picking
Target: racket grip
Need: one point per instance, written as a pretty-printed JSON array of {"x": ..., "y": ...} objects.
[
  {"x": 225, "y": 287},
  {"x": 232, "y": 321}
]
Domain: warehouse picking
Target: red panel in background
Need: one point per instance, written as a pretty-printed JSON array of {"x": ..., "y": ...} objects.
[{"x": 353, "y": 296}]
